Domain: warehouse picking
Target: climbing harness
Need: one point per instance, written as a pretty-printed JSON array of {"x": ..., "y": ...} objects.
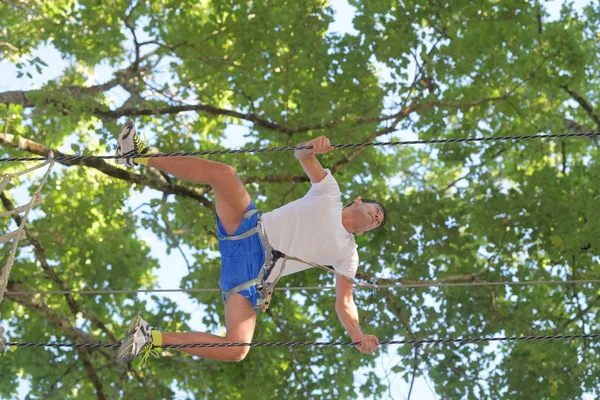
[{"x": 264, "y": 286}]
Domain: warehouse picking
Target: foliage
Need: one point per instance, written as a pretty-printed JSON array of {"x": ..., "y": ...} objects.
[{"x": 498, "y": 211}]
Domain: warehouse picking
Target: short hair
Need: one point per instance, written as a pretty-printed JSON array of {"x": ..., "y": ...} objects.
[{"x": 385, "y": 215}]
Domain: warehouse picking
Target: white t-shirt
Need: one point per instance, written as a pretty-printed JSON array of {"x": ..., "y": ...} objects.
[{"x": 311, "y": 228}]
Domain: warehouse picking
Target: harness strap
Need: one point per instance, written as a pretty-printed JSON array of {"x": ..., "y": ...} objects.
[
  {"x": 241, "y": 236},
  {"x": 249, "y": 233},
  {"x": 266, "y": 244},
  {"x": 265, "y": 288},
  {"x": 241, "y": 287}
]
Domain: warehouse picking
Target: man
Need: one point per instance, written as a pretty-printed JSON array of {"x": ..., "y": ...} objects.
[{"x": 316, "y": 228}]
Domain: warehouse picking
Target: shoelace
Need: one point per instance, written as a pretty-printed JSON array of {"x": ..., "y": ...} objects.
[
  {"x": 147, "y": 351},
  {"x": 141, "y": 144},
  {"x": 141, "y": 147}
]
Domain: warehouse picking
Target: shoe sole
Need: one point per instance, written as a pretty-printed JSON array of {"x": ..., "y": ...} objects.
[
  {"x": 125, "y": 350},
  {"x": 127, "y": 129},
  {"x": 128, "y": 125}
]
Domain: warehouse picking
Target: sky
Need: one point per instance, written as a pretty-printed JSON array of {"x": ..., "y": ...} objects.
[{"x": 173, "y": 267}]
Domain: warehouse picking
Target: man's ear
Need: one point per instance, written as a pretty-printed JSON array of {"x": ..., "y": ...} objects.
[
  {"x": 357, "y": 200},
  {"x": 360, "y": 233}
]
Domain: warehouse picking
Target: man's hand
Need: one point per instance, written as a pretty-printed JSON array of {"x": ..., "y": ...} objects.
[
  {"x": 368, "y": 344},
  {"x": 319, "y": 145}
]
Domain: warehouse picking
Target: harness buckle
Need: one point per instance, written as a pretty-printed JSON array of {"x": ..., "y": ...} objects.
[
  {"x": 265, "y": 291},
  {"x": 265, "y": 288},
  {"x": 267, "y": 302},
  {"x": 276, "y": 256}
]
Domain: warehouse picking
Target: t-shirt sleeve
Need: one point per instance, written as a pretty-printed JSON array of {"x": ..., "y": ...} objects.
[
  {"x": 327, "y": 187},
  {"x": 348, "y": 266}
]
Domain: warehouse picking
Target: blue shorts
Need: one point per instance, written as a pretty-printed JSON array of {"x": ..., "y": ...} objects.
[{"x": 241, "y": 260}]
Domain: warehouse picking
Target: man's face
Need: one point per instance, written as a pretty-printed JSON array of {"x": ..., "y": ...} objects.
[{"x": 368, "y": 215}]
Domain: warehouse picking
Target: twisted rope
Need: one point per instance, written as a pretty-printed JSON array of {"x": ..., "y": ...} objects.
[
  {"x": 319, "y": 344},
  {"x": 18, "y": 210},
  {"x": 299, "y": 288},
  {"x": 5, "y": 180},
  {"x": 48, "y": 160},
  {"x": 291, "y": 148},
  {"x": 16, "y": 235},
  {"x": 20, "y": 232}
]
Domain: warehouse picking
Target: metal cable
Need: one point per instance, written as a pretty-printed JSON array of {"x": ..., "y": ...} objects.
[
  {"x": 337, "y": 146},
  {"x": 320, "y": 344},
  {"x": 298, "y": 288}
]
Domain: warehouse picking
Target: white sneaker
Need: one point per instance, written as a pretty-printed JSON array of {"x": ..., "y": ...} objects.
[
  {"x": 130, "y": 144},
  {"x": 138, "y": 339}
]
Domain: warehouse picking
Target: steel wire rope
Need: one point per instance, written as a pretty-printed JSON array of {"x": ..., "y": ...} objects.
[
  {"x": 299, "y": 288},
  {"x": 277, "y": 149},
  {"x": 460, "y": 341}
]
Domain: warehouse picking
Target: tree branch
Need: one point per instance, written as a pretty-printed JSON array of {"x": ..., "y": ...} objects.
[
  {"x": 91, "y": 373},
  {"x": 149, "y": 108},
  {"x": 593, "y": 304},
  {"x": 131, "y": 28},
  {"x": 275, "y": 179},
  {"x": 574, "y": 127},
  {"x": 589, "y": 109},
  {"x": 26, "y": 98},
  {"x": 34, "y": 303}
]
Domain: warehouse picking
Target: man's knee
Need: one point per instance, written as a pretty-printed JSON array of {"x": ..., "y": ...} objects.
[{"x": 241, "y": 320}]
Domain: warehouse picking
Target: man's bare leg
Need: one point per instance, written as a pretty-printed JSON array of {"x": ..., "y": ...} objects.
[
  {"x": 240, "y": 319},
  {"x": 232, "y": 199}
]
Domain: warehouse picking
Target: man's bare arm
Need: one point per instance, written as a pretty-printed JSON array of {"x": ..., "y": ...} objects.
[
  {"x": 348, "y": 315},
  {"x": 312, "y": 167}
]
